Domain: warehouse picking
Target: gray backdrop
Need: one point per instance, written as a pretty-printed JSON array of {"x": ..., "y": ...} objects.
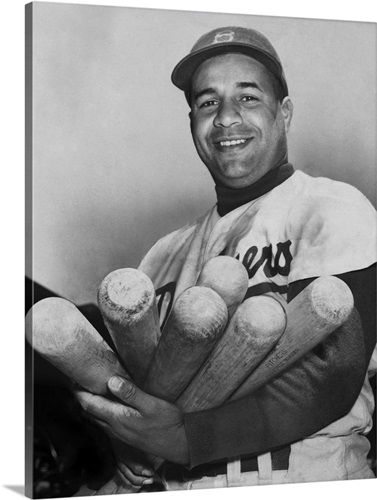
[{"x": 114, "y": 167}]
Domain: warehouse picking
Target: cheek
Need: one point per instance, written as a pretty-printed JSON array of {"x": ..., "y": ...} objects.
[
  {"x": 270, "y": 125},
  {"x": 265, "y": 117},
  {"x": 200, "y": 130}
]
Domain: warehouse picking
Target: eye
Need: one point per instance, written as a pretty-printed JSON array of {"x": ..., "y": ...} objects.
[
  {"x": 249, "y": 98},
  {"x": 209, "y": 103}
]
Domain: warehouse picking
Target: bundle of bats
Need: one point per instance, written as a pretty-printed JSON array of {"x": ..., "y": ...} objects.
[{"x": 215, "y": 346}]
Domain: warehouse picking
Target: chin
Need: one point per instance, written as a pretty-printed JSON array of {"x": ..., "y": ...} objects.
[
  {"x": 238, "y": 181},
  {"x": 236, "y": 174}
]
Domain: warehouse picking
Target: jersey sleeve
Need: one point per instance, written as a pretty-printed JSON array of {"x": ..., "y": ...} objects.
[
  {"x": 315, "y": 391},
  {"x": 332, "y": 229}
]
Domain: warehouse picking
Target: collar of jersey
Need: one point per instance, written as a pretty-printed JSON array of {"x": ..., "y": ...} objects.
[{"x": 230, "y": 199}]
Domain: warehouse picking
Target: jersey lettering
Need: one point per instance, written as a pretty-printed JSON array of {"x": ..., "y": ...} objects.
[
  {"x": 280, "y": 263},
  {"x": 262, "y": 288}
]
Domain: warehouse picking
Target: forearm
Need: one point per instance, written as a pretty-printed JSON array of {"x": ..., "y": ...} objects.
[{"x": 314, "y": 392}]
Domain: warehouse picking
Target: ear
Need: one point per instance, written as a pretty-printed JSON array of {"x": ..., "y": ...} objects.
[{"x": 287, "y": 112}]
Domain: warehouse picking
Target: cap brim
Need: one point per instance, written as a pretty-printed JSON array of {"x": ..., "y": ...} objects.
[{"x": 184, "y": 70}]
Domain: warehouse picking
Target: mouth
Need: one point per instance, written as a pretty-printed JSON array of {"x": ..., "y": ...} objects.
[{"x": 231, "y": 143}]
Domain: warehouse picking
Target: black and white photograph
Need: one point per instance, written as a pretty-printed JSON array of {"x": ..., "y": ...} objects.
[{"x": 200, "y": 250}]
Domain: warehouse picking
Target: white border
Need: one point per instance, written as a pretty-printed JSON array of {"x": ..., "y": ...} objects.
[{"x": 12, "y": 240}]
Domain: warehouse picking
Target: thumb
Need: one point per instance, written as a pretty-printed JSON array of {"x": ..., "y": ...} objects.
[{"x": 127, "y": 392}]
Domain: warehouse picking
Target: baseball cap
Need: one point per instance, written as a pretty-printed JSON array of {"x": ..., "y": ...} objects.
[{"x": 228, "y": 39}]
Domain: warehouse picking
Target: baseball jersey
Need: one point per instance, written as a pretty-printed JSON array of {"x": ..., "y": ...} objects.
[{"x": 304, "y": 228}]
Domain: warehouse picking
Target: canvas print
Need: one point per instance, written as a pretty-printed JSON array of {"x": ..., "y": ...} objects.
[{"x": 200, "y": 250}]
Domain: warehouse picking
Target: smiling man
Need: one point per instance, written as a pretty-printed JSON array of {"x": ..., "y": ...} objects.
[
  {"x": 238, "y": 124},
  {"x": 287, "y": 228}
]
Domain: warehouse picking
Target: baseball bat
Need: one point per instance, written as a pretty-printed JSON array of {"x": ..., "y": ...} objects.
[
  {"x": 254, "y": 329},
  {"x": 196, "y": 321},
  {"x": 58, "y": 331},
  {"x": 127, "y": 300},
  {"x": 228, "y": 277},
  {"x": 63, "y": 336},
  {"x": 183, "y": 347},
  {"x": 322, "y": 307}
]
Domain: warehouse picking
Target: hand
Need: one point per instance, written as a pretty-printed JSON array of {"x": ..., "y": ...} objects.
[
  {"x": 133, "y": 465},
  {"x": 143, "y": 421},
  {"x": 133, "y": 471}
]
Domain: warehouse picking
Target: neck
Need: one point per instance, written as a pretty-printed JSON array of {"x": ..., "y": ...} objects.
[{"x": 229, "y": 199}]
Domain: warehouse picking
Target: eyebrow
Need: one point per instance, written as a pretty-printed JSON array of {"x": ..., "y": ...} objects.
[
  {"x": 240, "y": 85},
  {"x": 209, "y": 90},
  {"x": 245, "y": 85}
]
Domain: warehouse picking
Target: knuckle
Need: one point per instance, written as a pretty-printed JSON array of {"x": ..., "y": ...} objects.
[
  {"x": 123, "y": 415},
  {"x": 129, "y": 391}
]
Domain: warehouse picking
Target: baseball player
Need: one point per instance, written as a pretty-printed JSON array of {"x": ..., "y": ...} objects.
[{"x": 287, "y": 228}]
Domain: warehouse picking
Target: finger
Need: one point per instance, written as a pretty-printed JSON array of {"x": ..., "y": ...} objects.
[
  {"x": 139, "y": 469},
  {"x": 136, "y": 467},
  {"x": 133, "y": 458},
  {"x": 102, "y": 408},
  {"x": 129, "y": 476},
  {"x": 101, "y": 423},
  {"x": 90, "y": 402},
  {"x": 95, "y": 405},
  {"x": 129, "y": 394},
  {"x": 118, "y": 485}
]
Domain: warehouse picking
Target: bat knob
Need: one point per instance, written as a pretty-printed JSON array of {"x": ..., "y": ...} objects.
[
  {"x": 125, "y": 294},
  {"x": 228, "y": 277},
  {"x": 332, "y": 300}
]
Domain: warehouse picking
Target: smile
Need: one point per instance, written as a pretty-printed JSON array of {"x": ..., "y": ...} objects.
[
  {"x": 228, "y": 144},
  {"x": 236, "y": 142}
]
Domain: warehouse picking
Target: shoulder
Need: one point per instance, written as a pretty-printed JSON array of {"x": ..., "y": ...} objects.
[
  {"x": 326, "y": 190},
  {"x": 332, "y": 225},
  {"x": 323, "y": 201}
]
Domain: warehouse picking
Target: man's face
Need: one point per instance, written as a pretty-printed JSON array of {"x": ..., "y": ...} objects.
[{"x": 238, "y": 126}]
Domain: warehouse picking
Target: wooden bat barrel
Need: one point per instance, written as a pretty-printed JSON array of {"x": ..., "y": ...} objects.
[
  {"x": 64, "y": 337},
  {"x": 197, "y": 320},
  {"x": 127, "y": 300},
  {"x": 254, "y": 329},
  {"x": 322, "y": 307},
  {"x": 228, "y": 277},
  {"x": 58, "y": 331}
]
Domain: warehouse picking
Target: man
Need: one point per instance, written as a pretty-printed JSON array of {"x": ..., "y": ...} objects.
[{"x": 308, "y": 424}]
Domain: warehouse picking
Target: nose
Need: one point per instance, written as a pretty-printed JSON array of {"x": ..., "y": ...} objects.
[{"x": 227, "y": 115}]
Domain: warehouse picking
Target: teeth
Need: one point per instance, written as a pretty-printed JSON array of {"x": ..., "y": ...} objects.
[{"x": 232, "y": 143}]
